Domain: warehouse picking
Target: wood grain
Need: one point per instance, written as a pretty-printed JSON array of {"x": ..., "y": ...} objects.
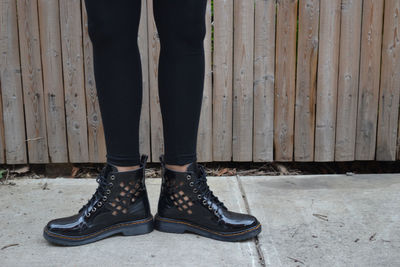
[
  {"x": 390, "y": 83},
  {"x": 32, "y": 83},
  {"x": 285, "y": 74},
  {"x": 11, "y": 85},
  {"x": 349, "y": 69},
  {"x": 51, "y": 55},
  {"x": 74, "y": 80},
  {"x": 306, "y": 82},
  {"x": 264, "y": 80},
  {"x": 222, "y": 80},
  {"x": 243, "y": 57},
  {"x": 368, "y": 94},
  {"x": 328, "y": 67}
]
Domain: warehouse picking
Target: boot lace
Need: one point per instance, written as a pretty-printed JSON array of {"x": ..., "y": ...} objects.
[
  {"x": 100, "y": 193},
  {"x": 205, "y": 191}
]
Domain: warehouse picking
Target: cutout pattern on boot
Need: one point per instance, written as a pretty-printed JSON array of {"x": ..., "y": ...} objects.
[
  {"x": 178, "y": 196},
  {"x": 127, "y": 195}
]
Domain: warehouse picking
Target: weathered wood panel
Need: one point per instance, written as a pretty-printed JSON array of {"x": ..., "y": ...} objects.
[
  {"x": 74, "y": 80},
  {"x": 243, "y": 53},
  {"x": 11, "y": 85},
  {"x": 328, "y": 67},
  {"x": 285, "y": 80},
  {"x": 390, "y": 83},
  {"x": 32, "y": 83},
  {"x": 51, "y": 55},
  {"x": 157, "y": 139},
  {"x": 349, "y": 69},
  {"x": 2, "y": 141},
  {"x": 306, "y": 83},
  {"x": 222, "y": 80},
  {"x": 264, "y": 80},
  {"x": 143, "y": 39},
  {"x": 285, "y": 68},
  {"x": 368, "y": 94}
]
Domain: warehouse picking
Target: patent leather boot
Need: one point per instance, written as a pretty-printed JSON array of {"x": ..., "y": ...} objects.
[
  {"x": 119, "y": 205},
  {"x": 187, "y": 204}
]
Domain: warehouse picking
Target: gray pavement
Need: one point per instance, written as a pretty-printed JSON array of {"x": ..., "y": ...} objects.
[{"x": 318, "y": 220}]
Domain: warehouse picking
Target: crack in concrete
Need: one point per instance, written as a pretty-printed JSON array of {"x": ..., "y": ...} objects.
[{"x": 256, "y": 240}]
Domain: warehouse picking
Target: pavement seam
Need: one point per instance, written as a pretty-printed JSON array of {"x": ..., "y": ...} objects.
[{"x": 247, "y": 207}]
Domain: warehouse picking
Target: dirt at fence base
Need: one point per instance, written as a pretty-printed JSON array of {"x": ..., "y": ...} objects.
[{"x": 82, "y": 170}]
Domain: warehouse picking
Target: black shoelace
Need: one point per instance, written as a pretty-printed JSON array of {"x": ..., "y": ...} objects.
[
  {"x": 204, "y": 189},
  {"x": 100, "y": 191}
]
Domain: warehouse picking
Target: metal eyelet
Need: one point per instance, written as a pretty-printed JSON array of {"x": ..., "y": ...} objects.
[
  {"x": 191, "y": 184},
  {"x": 195, "y": 190},
  {"x": 104, "y": 198},
  {"x": 87, "y": 215},
  {"x": 112, "y": 177},
  {"x": 94, "y": 209},
  {"x": 188, "y": 177},
  {"x": 110, "y": 184},
  {"x": 209, "y": 207},
  {"x": 215, "y": 212},
  {"x": 199, "y": 196},
  {"x": 204, "y": 202},
  {"x": 99, "y": 204},
  {"x": 108, "y": 191}
]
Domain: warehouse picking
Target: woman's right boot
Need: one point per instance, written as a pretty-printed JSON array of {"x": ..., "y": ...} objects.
[{"x": 119, "y": 205}]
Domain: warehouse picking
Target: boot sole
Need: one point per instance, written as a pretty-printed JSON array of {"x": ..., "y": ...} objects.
[
  {"x": 179, "y": 227},
  {"x": 138, "y": 227}
]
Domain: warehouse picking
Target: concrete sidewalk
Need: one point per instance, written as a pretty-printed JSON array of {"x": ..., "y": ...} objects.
[{"x": 329, "y": 220}]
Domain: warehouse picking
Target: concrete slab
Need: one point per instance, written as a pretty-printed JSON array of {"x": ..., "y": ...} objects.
[
  {"x": 330, "y": 220},
  {"x": 27, "y": 206}
]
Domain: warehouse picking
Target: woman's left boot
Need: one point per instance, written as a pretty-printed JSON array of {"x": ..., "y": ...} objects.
[
  {"x": 187, "y": 204},
  {"x": 119, "y": 205}
]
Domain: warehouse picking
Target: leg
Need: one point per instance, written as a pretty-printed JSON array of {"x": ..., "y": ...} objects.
[
  {"x": 113, "y": 30},
  {"x": 181, "y": 27}
]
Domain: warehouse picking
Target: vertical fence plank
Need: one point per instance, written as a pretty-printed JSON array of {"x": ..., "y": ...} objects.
[
  {"x": 222, "y": 80},
  {"x": 285, "y": 68},
  {"x": 157, "y": 139},
  {"x": 96, "y": 139},
  {"x": 32, "y": 83},
  {"x": 306, "y": 82},
  {"x": 2, "y": 141},
  {"x": 243, "y": 60},
  {"x": 398, "y": 141},
  {"x": 74, "y": 80},
  {"x": 328, "y": 67},
  {"x": 204, "y": 136},
  {"x": 264, "y": 80},
  {"x": 368, "y": 95},
  {"x": 143, "y": 41},
  {"x": 50, "y": 43},
  {"x": 349, "y": 69},
  {"x": 10, "y": 76},
  {"x": 390, "y": 83}
]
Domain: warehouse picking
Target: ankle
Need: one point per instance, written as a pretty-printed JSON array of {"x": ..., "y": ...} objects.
[
  {"x": 179, "y": 168},
  {"x": 127, "y": 168}
]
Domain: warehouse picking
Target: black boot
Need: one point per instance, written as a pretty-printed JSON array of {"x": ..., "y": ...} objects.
[
  {"x": 187, "y": 204},
  {"x": 119, "y": 205}
]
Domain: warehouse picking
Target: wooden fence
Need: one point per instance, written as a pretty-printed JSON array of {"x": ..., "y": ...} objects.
[{"x": 286, "y": 80}]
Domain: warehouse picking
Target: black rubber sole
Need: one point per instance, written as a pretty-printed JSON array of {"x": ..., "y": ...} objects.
[
  {"x": 180, "y": 227},
  {"x": 138, "y": 227}
]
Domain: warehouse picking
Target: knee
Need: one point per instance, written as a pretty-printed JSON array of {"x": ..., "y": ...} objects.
[{"x": 187, "y": 38}]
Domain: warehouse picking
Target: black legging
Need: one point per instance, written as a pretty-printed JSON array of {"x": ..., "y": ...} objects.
[{"x": 113, "y": 30}]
